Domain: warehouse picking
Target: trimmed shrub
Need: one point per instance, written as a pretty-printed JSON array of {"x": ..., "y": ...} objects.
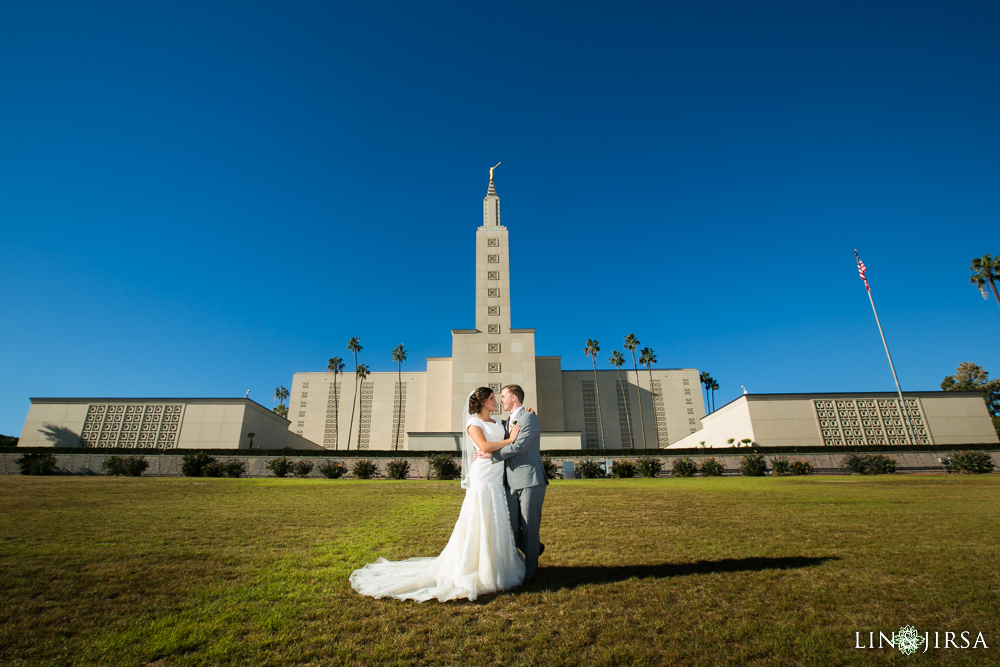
[
  {"x": 397, "y": 469},
  {"x": 623, "y": 469},
  {"x": 445, "y": 467},
  {"x": 649, "y": 466},
  {"x": 213, "y": 469},
  {"x": 333, "y": 469},
  {"x": 37, "y": 464},
  {"x": 365, "y": 469},
  {"x": 125, "y": 466},
  {"x": 972, "y": 463},
  {"x": 753, "y": 464},
  {"x": 801, "y": 467},
  {"x": 711, "y": 467},
  {"x": 280, "y": 466},
  {"x": 234, "y": 468},
  {"x": 869, "y": 464},
  {"x": 194, "y": 463},
  {"x": 302, "y": 468},
  {"x": 550, "y": 468},
  {"x": 781, "y": 465},
  {"x": 589, "y": 469},
  {"x": 684, "y": 467}
]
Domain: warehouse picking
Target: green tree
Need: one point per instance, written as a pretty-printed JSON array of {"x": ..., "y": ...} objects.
[
  {"x": 706, "y": 381},
  {"x": 353, "y": 345},
  {"x": 335, "y": 366},
  {"x": 617, "y": 360},
  {"x": 970, "y": 377},
  {"x": 281, "y": 410},
  {"x": 592, "y": 349},
  {"x": 647, "y": 357},
  {"x": 281, "y": 395},
  {"x": 361, "y": 372},
  {"x": 399, "y": 356},
  {"x": 713, "y": 385},
  {"x": 631, "y": 342},
  {"x": 986, "y": 271}
]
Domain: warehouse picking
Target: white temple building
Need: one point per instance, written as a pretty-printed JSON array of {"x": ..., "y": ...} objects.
[{"x": 426, "y": 410}]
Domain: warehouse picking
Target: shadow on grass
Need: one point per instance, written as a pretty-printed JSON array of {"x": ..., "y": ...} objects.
[{"x": 558, "y": 577}]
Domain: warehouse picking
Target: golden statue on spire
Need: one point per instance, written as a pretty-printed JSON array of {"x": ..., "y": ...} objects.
[{"x": 491, "y": 171}]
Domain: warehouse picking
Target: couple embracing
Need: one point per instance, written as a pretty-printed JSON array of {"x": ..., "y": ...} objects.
[{"x": 504, "y": 484}]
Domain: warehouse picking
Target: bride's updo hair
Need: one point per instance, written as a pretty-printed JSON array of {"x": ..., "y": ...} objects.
[{"x": 478, "y": 399}]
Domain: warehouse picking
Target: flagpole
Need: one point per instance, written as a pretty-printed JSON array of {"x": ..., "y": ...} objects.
[{"x": 902, "y": 404}]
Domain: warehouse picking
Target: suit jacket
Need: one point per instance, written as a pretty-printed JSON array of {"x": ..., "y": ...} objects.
[{"x": 523, "y": 457}]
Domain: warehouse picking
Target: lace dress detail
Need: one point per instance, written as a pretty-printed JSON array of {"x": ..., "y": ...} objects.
[{"x": 480, "y": 556}]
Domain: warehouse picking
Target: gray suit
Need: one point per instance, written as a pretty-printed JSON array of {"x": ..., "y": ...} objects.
[{"x": 525, "y": 480}]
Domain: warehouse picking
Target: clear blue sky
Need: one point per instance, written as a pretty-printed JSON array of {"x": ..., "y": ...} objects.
[{"x": 203, "y": 198}]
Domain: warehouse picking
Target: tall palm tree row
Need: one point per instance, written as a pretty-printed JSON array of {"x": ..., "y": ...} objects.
[
  {"x": 705, "y": 380},
  {"x": 647, "y": 357},
  {"x": 336, "y": 366},
  {"x": 631, "y": 342},
  {"x": 986, "y": 271},
  {"x": 353, "y": 345},
  {"x": 617, "y": 360},
  {"x": 361, "y": 372},
  {"x": 592, "y": 350},
  {"x": 399, "y": 356}
]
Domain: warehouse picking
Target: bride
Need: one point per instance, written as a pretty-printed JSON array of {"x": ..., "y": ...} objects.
[{"x": 481, "y": 556}]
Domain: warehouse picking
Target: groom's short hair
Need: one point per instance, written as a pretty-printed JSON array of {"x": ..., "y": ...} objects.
[{"x": 516, "y": 390}]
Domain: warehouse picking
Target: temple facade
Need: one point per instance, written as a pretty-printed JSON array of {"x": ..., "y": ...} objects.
[{"x": 426, "y": 410}]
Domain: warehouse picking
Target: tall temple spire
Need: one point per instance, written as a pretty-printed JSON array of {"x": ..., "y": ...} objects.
[{"x": 491, "y": 203}]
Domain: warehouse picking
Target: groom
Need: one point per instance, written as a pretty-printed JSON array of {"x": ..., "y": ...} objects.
[{"x": 524, "y": 476}]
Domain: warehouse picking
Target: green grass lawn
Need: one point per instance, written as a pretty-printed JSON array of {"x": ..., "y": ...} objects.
[{"x": 777, "y": 571}]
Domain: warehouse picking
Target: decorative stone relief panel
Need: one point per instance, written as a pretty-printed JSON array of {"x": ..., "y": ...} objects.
[
  {"x": 330, "y": 432},
  {"x": 494, "y": 347},
  {"x": 495, "y": 386},
  {"x": 493, "y": 275},
  {"x": 869, "y": 421},
  {"x": 590, "y": 416},
  {"x": 493, "y": 259},
  {"x": 493, "y": 292},
  {"x": 493, "y": 243},
  {"x": 493, "y": 328},
  {"x": 493, "y": 310},
  {"x": 365, "y": 427},
  {"x": 399, "y": 416},
  {"x": 132, "y": 425},
  {"x": 624, "y": 413},
  {"x": 494, "y": 367},
  {"x": 659, "y": 414}
]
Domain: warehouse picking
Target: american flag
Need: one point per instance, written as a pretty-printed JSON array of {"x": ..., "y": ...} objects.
[{"x": 861, "y": 270}]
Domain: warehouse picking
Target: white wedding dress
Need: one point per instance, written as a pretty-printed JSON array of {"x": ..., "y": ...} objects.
[{"x": 480, "y": 556}]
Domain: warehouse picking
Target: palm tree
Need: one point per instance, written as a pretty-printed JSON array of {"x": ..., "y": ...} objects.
[
  {"x": 713, "y": 386},
  {"x": 985, "y": 270},
  {"x": 593, "y": 347},
  {"x": 399, "y": 356},
  {"x": 706, "y": 380},
  {"x": 647, "y": 357},
  {"x": 353, "y": 345},
  {"x": 617, "y": 360},
  {"x": 361, "y": 372},
  {"x": 335, "y": 366},
  {"x": 280, "y": 394},
  {"x": 631, "y": 342}
]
